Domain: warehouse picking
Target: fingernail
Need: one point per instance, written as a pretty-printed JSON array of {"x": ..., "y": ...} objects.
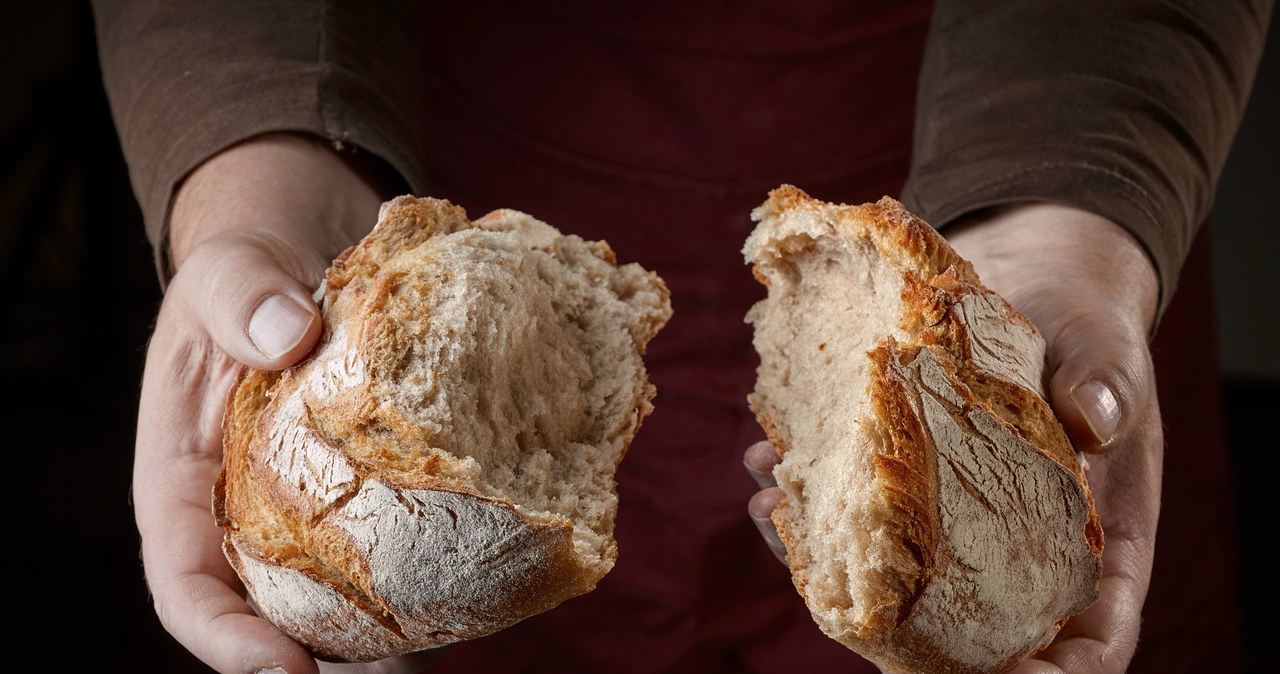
[
  {"x": 278, "y": 324},
  {"x": 1098, "y": 406},
  {"x": 273, "y": 670}
]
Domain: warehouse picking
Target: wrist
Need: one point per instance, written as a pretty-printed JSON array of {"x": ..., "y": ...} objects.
[
  {"x": 1023, "y": 250},
  {"x": 1091, "y": 289},
  {"x": 290, "y": 188}
]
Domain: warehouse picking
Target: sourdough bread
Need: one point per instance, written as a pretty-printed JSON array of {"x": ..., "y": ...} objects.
[
  {"x": 441, "y": 466},
  {"x": 936, "y": 517}
]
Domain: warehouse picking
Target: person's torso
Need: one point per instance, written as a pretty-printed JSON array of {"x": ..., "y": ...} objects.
[{"x": 658, "y": 127}]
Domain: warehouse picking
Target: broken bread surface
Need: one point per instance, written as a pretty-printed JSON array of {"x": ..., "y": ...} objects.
[
  {"x": 441, "y": 466},
  {"x": 936, "y": 517}
]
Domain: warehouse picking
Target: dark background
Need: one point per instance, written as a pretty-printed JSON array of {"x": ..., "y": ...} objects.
[{"x": 78, "y": 274}]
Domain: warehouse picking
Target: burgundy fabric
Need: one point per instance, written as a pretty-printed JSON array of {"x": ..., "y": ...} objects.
[
  {"x": 568, "y": 140},
  {"x": 1191, "y": 621},
  {"x": 549, "y": 115},
  {"x": 1008, "y": 93},
  {"x": 658, "y": 127}
]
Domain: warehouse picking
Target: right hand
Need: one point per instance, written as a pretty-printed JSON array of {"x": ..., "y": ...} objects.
[
  {"x": 251, "y": 233},
  {"x": 1093, "y": 299}
]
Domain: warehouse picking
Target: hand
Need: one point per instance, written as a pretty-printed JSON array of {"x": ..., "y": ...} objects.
[
  {"x": 1091, "y": 290},
  {"x": 251, "y": 233}
]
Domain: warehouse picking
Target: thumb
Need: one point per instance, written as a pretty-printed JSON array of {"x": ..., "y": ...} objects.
[
  {"x": 1102, "y": 379},
  {"x": 243, "y": 289}
]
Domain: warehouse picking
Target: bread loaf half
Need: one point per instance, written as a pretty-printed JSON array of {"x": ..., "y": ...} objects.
[
  {"x": 441, "y": 466},
  {"x": 936, "y": 517}
]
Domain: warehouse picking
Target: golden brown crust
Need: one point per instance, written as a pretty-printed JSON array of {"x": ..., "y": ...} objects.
[
  {"x": 957, "y": 393},
  {"x": 939, "y": 323},
  {"x": 909, "y": 484},
  {"x": 355, "y": 528},
  {"x": 902, "y": 236},
  {"x": 404, "y": 223}
]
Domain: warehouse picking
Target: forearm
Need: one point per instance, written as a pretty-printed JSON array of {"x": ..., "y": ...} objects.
[
  {"x": 1123, "y": 109},
  {"x": 189, "y": 80}
]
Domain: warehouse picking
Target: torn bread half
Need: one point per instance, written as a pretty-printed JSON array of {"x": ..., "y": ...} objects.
[
  {"x": 936, "y": 517},
  {"x": 441, "y": 466}
]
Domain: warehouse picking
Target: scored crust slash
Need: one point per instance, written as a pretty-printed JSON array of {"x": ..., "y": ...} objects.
[
  {"x": 441, "y": 466},
  {"x": 936, "y": 517}
]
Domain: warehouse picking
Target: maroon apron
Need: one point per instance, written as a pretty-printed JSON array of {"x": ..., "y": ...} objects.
[{"x": 658, "y": 127}]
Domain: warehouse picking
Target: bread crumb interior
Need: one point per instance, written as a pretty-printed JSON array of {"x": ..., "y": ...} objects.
[
  {"x": 831, "y": 300},
  {"x": 515, "y": 372}
]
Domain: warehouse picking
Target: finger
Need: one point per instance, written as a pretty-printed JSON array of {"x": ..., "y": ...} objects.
[
  {"x": 1034, "y": 666},
  {"x": 759, "y": 461},
  {"x": 1126, "y": 486},
  {"x": 177, "y": 459},
  {"x": 1099, "y": 641},
  {"x": 1101, "y": 380},
  {"x": 231, "y": 638},
  {"x": 191, "y": 585},
  {"x": 760, "y": 508},
  {"x": 404, "y": 664},
  {"x": 243, "y": 296}
]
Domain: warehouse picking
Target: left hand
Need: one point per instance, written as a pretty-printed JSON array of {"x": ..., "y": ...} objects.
[
  {"x": 252, "y": 231},
  {"x": 1091, "y": 290}
]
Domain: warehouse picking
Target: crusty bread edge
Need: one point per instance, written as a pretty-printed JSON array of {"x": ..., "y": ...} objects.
[
  {"x": 417, "y": 219},
  {"x": 918, "y": 247}
]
